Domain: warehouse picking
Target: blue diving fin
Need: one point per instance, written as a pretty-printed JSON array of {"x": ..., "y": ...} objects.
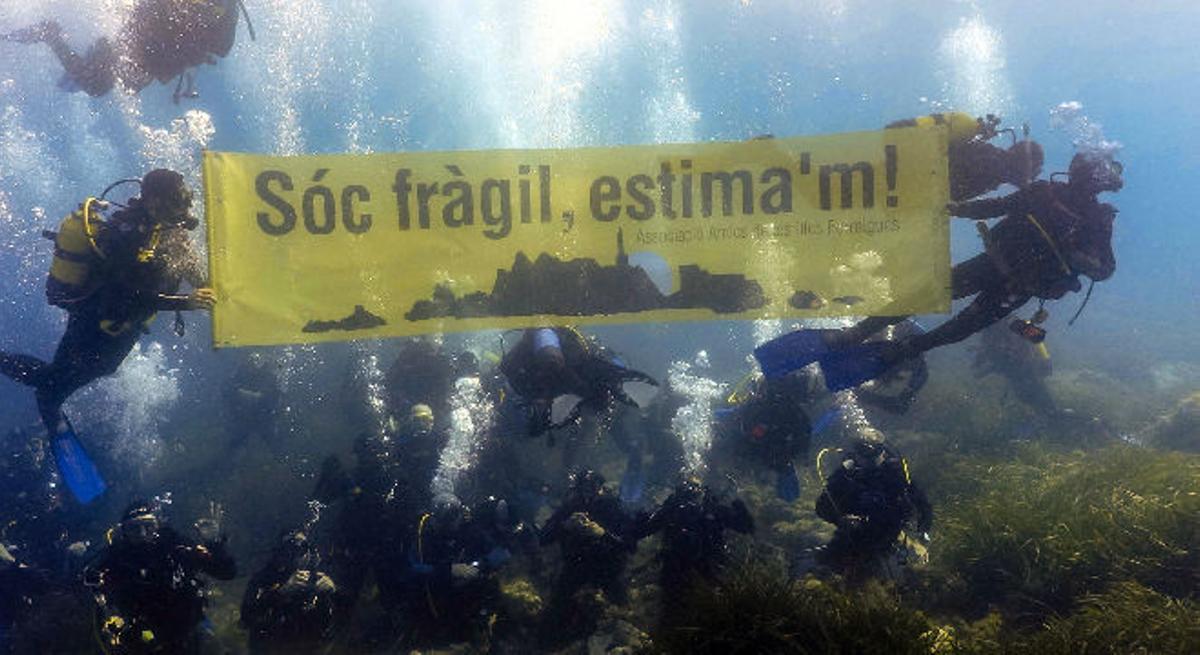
[
  {"x": 825, "y": 420},
  {"x": 78, "y": 471},
  {"x": 632, "y": 483},
  {"x": 787, "y": 485},
  {"x": 850, "y": 367},
  {"x": 790, "y": 352}
]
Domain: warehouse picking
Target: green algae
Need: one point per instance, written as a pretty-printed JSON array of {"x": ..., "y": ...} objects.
[
  {"x": 1048, "y": 529},
  {"x": 1128, "y": 618},
  {"x": 757, "y": 608}
]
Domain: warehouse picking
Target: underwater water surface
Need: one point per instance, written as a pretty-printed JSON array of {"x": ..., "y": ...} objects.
[{"x": 1066, "y": 528}]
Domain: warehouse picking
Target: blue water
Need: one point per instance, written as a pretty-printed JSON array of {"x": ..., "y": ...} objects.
[{"x": 330, "y": 76}]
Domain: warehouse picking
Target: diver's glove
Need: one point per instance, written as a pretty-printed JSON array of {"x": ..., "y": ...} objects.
[
  {"x": 209, "y": 526},
  {"x": 204, "y": 298},
  {"x": 324, "y": 583}
]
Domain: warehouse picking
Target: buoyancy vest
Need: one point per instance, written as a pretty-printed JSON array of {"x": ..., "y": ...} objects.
[
  {"x": 72, "y": 276},
  {"x": 1036, "y": 245}
]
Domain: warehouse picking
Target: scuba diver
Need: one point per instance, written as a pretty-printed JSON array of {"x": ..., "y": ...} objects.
[
  {"x": 870, "y": 498},
  {"x": 693, "y": 521},
  {"x": 424, "y": 374},
  {"x": 1024, "y": 365},
  {"x": 766, "y": 424},
  {"x": 148, "y": 587},
  {"x": 253, "y": 399},
  {"x": 975, "y": 165},
  {"x": 896, "y": 389},
  {"x": 596, "y": 537},
  {"x": 380, "y": 502},
  {"x": 417, "y": 443},
  {"x": 551, "y": 362},
  {"x": 450, "y": 589},
  {"x": 650, "y": 433},
  {"x": 112, "y": 276},
  {"x": 160, "y": 40},
  {"x": 1052, "y": 233},
  {"x": 291, "y": 605},
  {"x": 33, "y": 517}
]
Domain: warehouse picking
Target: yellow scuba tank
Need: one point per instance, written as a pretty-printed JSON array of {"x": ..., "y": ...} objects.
[
  {"x": 75, "y": 255},
  {"x": 963, "y": 127}
]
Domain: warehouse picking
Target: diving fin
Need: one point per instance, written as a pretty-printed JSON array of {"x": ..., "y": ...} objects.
[
  {"x": 825, "y": 420},
  {"x": 787, "y": 485},
  {"x": 78, "y": 471},
  {"x": 632, "y": 483},
  {"x": 850, "y": 367},
  {"x": 790, "y": 352}
]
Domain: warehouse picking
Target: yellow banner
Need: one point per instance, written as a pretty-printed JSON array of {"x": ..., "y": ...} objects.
[{"x": 335, "y": 247}]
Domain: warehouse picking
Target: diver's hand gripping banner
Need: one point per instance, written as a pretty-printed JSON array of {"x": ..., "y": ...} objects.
[{"x": 321, "y": 248}]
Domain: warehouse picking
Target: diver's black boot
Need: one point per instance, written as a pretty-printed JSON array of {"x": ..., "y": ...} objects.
[{"x": 21, "y": 368}]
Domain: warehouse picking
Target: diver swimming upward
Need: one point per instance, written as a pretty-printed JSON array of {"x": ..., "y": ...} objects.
[{"x": 112, "y": 276}]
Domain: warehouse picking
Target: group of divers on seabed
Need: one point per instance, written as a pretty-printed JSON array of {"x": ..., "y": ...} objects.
[{"x": 434, "y": 558}]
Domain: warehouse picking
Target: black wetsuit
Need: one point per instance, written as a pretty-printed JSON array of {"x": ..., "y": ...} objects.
[
  {"x": 870, "y": 505},
  {"x": 288, "y": 613},
  {"x": 693, "y": 523},
  {"x": 1069, "y": 235},
  {"x": 156, "y": 586},
  {"x": 103, "y": 327},
  {"x": 422, "y": 373},
  {"x": 771, "y": 427},
  {"x": 167, "y": 37},
  {"x": 591, "y": 558},
  {"x": 542, "y": 367},
  {"x": 252, "y": 400},
  {"x": 161, "y": 40},
  {"x": 450, "y": 587}
]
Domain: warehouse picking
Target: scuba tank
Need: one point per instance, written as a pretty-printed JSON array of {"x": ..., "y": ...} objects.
[
  {"x": 963, "y": 127},
  {"x": 76, "y": 254}
]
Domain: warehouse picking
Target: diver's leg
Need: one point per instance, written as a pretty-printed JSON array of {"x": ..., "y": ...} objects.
[
  {"x": 987, "y": 308},
  {"x": 95, "y": 73},
  {"x": 861, "y": 331},
  {"x": 974, "y": 276},
  {"x": 84, "y": 354},
  {"x": 966, "y": 279}
]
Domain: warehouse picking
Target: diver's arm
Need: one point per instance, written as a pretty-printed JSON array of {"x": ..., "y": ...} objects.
[
  {"x": 198, "y": 299},
  {"x": 214, "y": 559},
  {"x": 987, "y": 308},
  {"x": 1093, "y": 254},
  {"x": 984, "y": 208}
]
